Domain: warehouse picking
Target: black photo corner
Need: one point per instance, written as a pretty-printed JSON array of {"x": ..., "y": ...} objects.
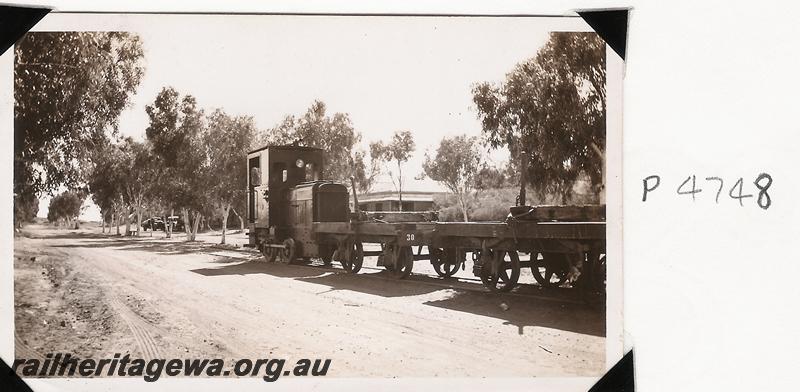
[
  {"x": 611, "y": 25},
  {"x": 10, "y": 381},
  {"x": 15, "y": 22}
]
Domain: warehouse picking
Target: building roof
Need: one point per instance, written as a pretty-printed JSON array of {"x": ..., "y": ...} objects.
[
  {"x": 286, "y": 147},
  {"x": 413, "y": 190},
  {"x": 394, "y": 196}
]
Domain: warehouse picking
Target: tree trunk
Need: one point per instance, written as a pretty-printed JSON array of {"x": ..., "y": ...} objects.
[
  {"x": 523, "y": 181},
  {"x": 127, "y": 221},
  {"x": 187, "y": 224},
  {"x": 195, "y": 225},
  {"x": 168, "y": 223},
  {"x": 138, "y": 221},
  {"x": 191, "y": 224},
  {"x": 602, "y": 188},
  {"x": 224, "y": 222},
  {"x": 400, "y": 185},
  {"x": 463, "y": 207},
  {"x": 241, "y": 221}
]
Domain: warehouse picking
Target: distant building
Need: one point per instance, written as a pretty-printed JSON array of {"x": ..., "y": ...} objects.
[
  {"x": 390, "y": 201},
  {"x": 417, "y": 196}
]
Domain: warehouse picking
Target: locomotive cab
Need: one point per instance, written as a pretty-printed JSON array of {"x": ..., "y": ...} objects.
[{"x": 285, "y": 196}]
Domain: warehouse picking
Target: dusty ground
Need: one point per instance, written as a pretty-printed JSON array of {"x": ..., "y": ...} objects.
[{"x": 93, "y": 295}]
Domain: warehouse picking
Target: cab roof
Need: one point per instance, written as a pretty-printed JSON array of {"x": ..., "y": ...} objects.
[{"x": 286, "y": 147}]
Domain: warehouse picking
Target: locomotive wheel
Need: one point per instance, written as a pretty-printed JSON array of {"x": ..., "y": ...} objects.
[
  {"x": 269, "y": 253},
  {"x": 404, "y": 262},
  {"x": 552, "y": 265},
  {"x": 353, "y": 263},
  {"x": 288, "y": 252},
  {"x": 440, "y": 264},
  {"x": 507, "y": 273}
]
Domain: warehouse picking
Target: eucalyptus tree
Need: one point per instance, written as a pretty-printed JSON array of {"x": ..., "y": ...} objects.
[
  {"x": 550, "y": 113},
  {"x": 69, "y": 91}
]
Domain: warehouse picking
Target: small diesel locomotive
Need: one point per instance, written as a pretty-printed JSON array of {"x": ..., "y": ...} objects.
[{"x": 293, "y": 213}]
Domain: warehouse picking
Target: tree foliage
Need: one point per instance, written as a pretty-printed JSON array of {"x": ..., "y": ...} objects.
[
  {"x": 226, "y": 140},
  {"x": 396, "y": 151},
  {"x": 550, "y": 111},
  {"x": 65, "y": 207},
  {"x": 141, "y": 174},
  {"x": 495, "y": 177},
  {"x": 107, "y": 180},
  {"x": 26, "y": 206},
  {"x": 337, "y": 138},
  {"x": 175, "y": 135},
  {"x": 456, "y": 166},
  {"x": 69, "y": 90},
  {"x": 365, "y": 173}
]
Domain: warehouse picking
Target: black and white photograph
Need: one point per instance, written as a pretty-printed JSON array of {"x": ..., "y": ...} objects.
[{"x": 321, "y": 196}]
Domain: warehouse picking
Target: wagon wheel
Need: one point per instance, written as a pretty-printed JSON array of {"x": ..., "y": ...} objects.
[
  {"x": 387, "y": 267},
  {"x": 352, "y": 262},
  {"x": 552, "y": 265},
  {"x": 288, "y": 253},
  {"x": 269, "y": 253},
  {"x": 404, "y": 262},
  {"x": 326, "y": 255},
  {"x": 502, "y": 279},
  {"x": 439, "y": 260}
]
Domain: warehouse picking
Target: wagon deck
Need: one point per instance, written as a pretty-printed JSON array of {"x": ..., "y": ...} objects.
[{"x": 434, "y": 233}]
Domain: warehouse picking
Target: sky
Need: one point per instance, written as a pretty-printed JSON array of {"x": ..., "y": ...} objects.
[{"x": 387, "y": 73}]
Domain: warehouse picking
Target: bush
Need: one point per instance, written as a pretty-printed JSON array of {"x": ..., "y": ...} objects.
[
  {"x": 493, "y": 205},
  {"x": 26, "y": 206},
  {"x": 483, "y": 206}
]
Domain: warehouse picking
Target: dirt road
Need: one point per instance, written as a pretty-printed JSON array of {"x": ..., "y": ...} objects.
[{"x": 93, "y": 295}]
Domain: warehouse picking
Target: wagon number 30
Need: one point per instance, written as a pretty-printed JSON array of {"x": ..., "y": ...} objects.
[
  {"x": 410, "y": 237},
  {"x": 689, "y": 187}
]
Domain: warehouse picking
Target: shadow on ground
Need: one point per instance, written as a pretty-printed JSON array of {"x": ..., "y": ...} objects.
[
  {"x": 272, "y": 269},
  {"x": 527, "y": 312},
  {"x": 375, "y": 284},
  {"x": 156, "y": 245}
]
